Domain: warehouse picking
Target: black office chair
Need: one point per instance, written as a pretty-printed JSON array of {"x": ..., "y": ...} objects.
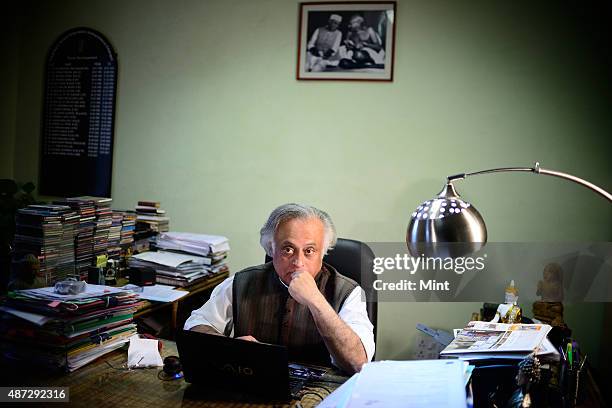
[{"x": 347, "y": 257}]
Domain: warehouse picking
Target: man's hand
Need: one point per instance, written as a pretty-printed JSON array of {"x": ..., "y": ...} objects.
[
  {"x": 248, "y": 338},
  {"x": 303, "y": 289},
  {"x": 314, "y": 51}
]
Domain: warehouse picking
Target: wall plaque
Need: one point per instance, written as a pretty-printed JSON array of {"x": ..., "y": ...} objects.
[{"x": 78, "y": 115}]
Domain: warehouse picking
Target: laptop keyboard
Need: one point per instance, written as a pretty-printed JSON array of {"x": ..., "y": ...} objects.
[
  {"x": 296, "y": 385},
  {"x": 300, "y": 374}
]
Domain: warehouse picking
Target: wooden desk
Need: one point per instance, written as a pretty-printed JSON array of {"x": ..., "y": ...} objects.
[
  {"x": 196, "y": 289},
  {"x": 105, "y": 383}
]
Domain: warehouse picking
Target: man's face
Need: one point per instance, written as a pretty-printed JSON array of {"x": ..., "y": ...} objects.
[
  {"x": 333, "y": 25},
  {"x": 298, "y": 247},
  {"x": 355, "y": 24}
]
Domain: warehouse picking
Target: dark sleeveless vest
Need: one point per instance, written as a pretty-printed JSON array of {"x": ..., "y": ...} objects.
[{"x": 263, "y": 309}]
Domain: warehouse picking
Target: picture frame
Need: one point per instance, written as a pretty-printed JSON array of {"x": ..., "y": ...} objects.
[{"x": 349, "y": 41}]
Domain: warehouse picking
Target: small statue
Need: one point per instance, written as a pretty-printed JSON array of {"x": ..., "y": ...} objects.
[
  {"x": 550, "y": 309},
  {"x": 551, "y": 287}
]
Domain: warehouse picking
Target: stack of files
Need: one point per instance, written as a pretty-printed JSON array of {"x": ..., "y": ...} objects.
[
  {"x": 418, "y": 383},
  {"x": 486, "y": 340},
  {"x": 149, "y": 215},
  {"x": 197, "y": 244},
  {"x": 177, "y": 269},
  {"x": 114, "y": 235},
  {"x": 83, "y": 245},
  {"x": 47, "y": 231},
  {"x": 53, "y": 331}
]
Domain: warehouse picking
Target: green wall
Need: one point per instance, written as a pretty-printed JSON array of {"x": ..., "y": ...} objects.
[{"x": 211, "y": 122}]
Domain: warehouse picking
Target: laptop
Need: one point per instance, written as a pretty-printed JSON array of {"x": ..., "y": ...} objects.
[{"x": 256, "y": 369}]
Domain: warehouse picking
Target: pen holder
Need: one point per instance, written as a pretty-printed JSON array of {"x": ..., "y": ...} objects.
[{"x": 571, "y": 378}]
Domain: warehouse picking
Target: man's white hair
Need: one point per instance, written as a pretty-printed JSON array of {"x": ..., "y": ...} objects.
[{"x": 292, "y": 211}]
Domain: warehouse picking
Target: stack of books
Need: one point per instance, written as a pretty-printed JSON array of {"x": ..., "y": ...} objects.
[
  {"x": 53, "y": 331},
  {"x": 150, "y": 216},
  {"x": 184, "y": 258},
  {"x": 114, "y": 235},
  {"x": 104, "y": 221},
  {"x": 83, "y": 245},
  {"x": 47, "y": 231},
  {"x": 128, "y": 225}
]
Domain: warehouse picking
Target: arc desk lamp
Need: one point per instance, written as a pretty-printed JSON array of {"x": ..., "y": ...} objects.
[{"x": 446, "y": 219}]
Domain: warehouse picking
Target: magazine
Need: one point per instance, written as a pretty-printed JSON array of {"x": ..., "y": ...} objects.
[{"x": 486, "y": 337}]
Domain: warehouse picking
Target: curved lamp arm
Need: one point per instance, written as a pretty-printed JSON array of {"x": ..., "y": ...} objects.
[{"x": 536, "y": 169}]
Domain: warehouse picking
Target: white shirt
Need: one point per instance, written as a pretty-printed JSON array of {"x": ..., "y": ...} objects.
[{"x": 217, "y": 313}]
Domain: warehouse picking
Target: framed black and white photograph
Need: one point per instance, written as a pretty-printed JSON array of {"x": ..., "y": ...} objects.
[{"x": 346, "y": 41}]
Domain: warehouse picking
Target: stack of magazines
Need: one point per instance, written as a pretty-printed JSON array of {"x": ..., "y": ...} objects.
[
  {"x": 104, "y": 221},
  {"x": 83, "y": 251},
  {"x": 487, "y": 340},
  {"x": 47, "y": 232},
  {"x": 128, "y": 225},
  {"x": 114, "y": 235},
  {"x": 53, "y": 331}
]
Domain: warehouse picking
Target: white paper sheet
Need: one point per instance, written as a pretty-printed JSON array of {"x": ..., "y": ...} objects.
[
  {"x": 418, "y": 383},
  {"x": 161, "y": 293},
  {"x": 341, "y": 395},
  {"x": 170, "y": 259}
]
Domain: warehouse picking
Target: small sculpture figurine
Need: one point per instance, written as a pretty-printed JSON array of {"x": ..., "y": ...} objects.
[
  {"x": 550, "y": 309},
  {"x": 551, "y": 287}
]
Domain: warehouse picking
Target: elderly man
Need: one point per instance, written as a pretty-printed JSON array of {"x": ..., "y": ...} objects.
[
  {"x": 296, "y": 300},
  {"x": 362, "y": 46},
  {"x": 324, "y": 44}
]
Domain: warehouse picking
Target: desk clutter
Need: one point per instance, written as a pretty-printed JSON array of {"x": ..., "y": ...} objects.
[
  {"x": 73, "y": 235},
  {"x": 184, "y": 258},
  {"x": 65, "y": 331},
  {"x": 80, "y": 239}
]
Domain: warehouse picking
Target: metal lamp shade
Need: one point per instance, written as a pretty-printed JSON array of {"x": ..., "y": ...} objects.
[{"x": 446, "y": 226}]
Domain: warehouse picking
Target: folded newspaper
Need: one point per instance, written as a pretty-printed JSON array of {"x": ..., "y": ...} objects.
[{"x": 498, "y": 338}]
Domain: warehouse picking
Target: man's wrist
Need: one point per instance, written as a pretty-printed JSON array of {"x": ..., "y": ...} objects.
[{"x": 318, "y": 303}]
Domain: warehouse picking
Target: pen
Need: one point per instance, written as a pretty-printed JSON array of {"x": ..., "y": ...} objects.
[
  {"x": 563, "y": 353},
  {"x": 569, "y": 354},
  {"x": 576, "y": 351}
]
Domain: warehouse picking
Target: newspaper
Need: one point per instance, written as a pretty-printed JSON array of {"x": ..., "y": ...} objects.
[{"x": 486, "y": 337}]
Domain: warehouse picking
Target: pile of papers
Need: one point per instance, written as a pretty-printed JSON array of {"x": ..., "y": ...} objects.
[
  {"x": 49, "y": 330},
  {"x": 149, "y": 215},
  {"x": 486, "y": 340},
  {"x": 420, "y": 383},
  {"x": 47, "y": 231},
  {"x": 178, "y": 268},
  {"x": 197, "y": 244}
]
